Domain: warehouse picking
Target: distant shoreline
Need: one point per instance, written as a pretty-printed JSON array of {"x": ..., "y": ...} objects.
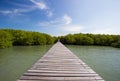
[{"x": 11, "y": 37}]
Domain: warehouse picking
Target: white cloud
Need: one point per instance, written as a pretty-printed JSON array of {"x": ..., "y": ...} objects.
[
  {"x": 11, "y": 12},
  {"x": 39, "y": 4},
  {"x": 52, "y": 23},
  {"x": 49, "y": 14},
  {"x": 42, "y": 6},
  {"x": 64, "y": 20},
  {"x": 110, "y": 30},
  {"x": 28, "y": 8},
  {"x": 67, "y": 19},
  {"x": 44, "y": 24},
  {"x": 16, "y": 12},
  {"x": 72, "y": 28},
  {"x": 63, "y": 25},
  {"x": 6, "y": 12},
  {"x": 102, "y": 31}
]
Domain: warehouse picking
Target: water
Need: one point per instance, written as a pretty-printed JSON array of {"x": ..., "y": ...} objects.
[
  {"x": 104, "y": 60},
  {"x": 16, "y": 60}
]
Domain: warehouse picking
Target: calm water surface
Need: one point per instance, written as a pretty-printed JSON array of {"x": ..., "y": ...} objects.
[
  {"x": 16, "y": 60},
  {"x": 104, "y": 60}
]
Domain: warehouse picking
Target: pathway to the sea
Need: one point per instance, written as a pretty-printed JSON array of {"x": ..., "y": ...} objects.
[{"x": 60, "y": 64}]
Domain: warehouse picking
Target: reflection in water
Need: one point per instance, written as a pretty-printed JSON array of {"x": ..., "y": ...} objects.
[
  {"x": 16, "y": 60},
  {"x": 104, "y": 60}
]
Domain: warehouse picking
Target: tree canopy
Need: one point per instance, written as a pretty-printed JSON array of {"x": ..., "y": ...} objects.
[
  {"x": 5, "y": 39},
  {"x": 91, "y": 39},
  {"x": 9, "y": 37}
]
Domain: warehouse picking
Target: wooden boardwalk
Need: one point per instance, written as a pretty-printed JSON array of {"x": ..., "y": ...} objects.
[{"x": 60, "y": 64}]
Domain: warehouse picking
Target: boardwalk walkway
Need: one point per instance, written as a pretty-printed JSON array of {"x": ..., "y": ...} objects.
[{"x": 60, "y": 64}]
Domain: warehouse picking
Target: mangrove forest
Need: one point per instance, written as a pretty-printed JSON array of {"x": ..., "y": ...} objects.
[{"x": 10, "y": 37}]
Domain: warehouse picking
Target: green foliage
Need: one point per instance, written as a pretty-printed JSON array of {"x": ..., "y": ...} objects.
[
  {"x": 55, "y": 39},
  {"x": 5, "y": 39},
  {"x": 91, "y": 39},
  {"x": 39, "y": 39},
  {"x": 70, "y": 39},
  {"x": 9, "y": 37},
  {"x": 19, "y": 37},
  {"x": 77, "y": 39},
  {"x": 49, "y": 39},
  {"x": 87, "y": 40},
  {"x": 28, "y": 40},
  {"x": 116, "y": 44}
]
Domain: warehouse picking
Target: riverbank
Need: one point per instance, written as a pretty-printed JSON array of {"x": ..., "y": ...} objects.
[{"x": 10, "y": 37}]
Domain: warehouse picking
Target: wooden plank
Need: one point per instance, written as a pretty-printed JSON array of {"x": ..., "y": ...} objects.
[
  {"x": 58, "y": 78},
  {"x": 53, "y": 71},
  {"x": 60, "y": 74},
  {"x": 60, "y": 64}
]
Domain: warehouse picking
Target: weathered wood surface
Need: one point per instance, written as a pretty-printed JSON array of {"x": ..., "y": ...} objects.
[{"x": 60, "y": 64}]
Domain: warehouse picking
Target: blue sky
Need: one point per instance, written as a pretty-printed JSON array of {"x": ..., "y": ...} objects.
[{"x": 60, "y": 17}]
